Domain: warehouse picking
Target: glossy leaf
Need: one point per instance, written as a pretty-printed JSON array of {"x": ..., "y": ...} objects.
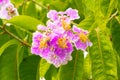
[
  {"x": 29, "y": 68},
  {"x": 87, "y": 74},
  {"x": 7, "y": 44},
  {"x": 25, "y": 22},
  {"x": 102, "y": 56},
  {"x": 44, "y": 66},
  {"x": 31, "y": 10},
  {"x": 8, "y": 64},
  {"x": 115, "y": 31},
  {"x": 74, "y": 69}
]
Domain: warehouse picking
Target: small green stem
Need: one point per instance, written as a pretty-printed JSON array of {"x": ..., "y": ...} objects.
[
  {"x": 15, "y": 37},
  {"x": 113, "y": 15},
  {"x": 40, "y": 4},
  {"x": 74, "y": 23}
]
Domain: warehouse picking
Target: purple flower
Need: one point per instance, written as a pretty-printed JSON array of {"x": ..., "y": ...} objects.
[
  {"x": 8, "y": 11},
  {"x": 80, "y": 39},
  {"x": 55, "y": 41},
  {"x": 63, "y": 19},
  {"x": 40, "y": 44},
  {"x": 41, "y": 27},
  {"x": 3, "y": 2},
  {"x": 62, "y": 50},
  {"x": 53, "y": 15},
  {"x": 72, "y": 13},
  {"x": 56, "y": 49}
]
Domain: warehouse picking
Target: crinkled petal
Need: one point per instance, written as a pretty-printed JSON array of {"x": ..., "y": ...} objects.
[
  {"x": 80, "y": 45},
  {"x": 6, "y": 14},
  {"x": 36, "y": 36},
  {"x": 53, "y": 15},
  {"x": 72, "y": 13},
  {"x": 4, "y": 2},
  {"x": 41, "y": 27}
]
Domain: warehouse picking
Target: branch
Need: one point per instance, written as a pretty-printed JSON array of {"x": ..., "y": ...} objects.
[
  {"x": 113, "y": 15},
  {"x": 40, "y": 5},
  {"x": 15, "y": 37}
]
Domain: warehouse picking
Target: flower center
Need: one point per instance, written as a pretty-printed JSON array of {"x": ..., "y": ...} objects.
[
  {"x": 43, "y": 42},
  {"x": 10, "y": 10},
  {"x": 62, "y": 43},
  {"x": 65, "y": 25},
  {"x": 83, "y": 37}
]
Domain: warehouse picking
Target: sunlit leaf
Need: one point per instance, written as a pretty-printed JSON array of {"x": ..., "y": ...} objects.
[
  {"x": 25, "y": 22},
  {"x": 29, "y": 68},
  {"x": 74, "y": 69},
  {"x": 7, "y": 44},
  {"x": 44, "y": 66},
  {"x": 8, "y": 64},
  {"x": 102, "y": 56}
]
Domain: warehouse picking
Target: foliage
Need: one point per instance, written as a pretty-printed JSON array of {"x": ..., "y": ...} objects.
[{"x": 100, "y": 17}]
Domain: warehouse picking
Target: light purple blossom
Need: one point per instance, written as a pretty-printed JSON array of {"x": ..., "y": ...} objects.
[
  {"x": 80, "y": 39},
  {"x": 53, "y": 15},
  {"x": 72, "y": 13},
  {"x": 8, "y": 11},
  {"x": 56, "y": 50},
  {"x": 62, "y": 50},
  {"x": 3, "y": 2},
  {"x": 40, "y": 44},
  {"x": 56, "y": 40},
  {"x": 61, "y": 18}
]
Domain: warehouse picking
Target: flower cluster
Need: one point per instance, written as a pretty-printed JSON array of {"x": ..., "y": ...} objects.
[
  {"x": 7, "y": 10},
  {"x": 55, "y": 41}
]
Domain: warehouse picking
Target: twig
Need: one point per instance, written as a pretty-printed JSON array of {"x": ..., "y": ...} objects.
[
  {"x": 40, "y": 4},
  {"x": 15, "y": 37},
  {"x": 113, "y": 15},
  {"x": 74, "y": 23}
]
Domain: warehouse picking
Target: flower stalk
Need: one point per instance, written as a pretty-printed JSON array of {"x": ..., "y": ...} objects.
[{"x": 15, "y": 37}]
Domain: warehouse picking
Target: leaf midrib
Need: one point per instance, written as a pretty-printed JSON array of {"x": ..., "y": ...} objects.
[{"x": 100, "y": 50}]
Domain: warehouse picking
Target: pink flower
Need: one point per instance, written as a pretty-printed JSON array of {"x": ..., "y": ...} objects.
[
  {"x": 3, "y": 2},
  {"x": 55, "y": 48},
  {"x": 53, "y": 15},
  {"x": 55, "y": 41},
  {"x": 72, "y": 13},
  {"x": 80, "y": 39},
  {"x": 8, "y": 11}
]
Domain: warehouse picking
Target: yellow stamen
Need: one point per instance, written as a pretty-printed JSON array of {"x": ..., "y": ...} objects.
[
  {"x": 54, "y": 56},
  {"x": 65, "y": 25},
  {"x": 83, "y": 37},
  {"x": 43, "y": 42},
  {"x": 10, "y": 10},
  {"x": 62, "y": 42}
]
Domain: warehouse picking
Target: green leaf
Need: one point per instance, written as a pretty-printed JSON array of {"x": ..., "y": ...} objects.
[
  {"x": 44, "y": 66},
  {"x": 87, "y": 23},
  {"x": 118, "y": 67},
  {"x": 31, "y": 10},
  {"x": 105, "y": 6},
  {"x": 118, "y": 5},
  {"x": 7, "y": 44},
  {"x": 29, "y": 68},
  {"x": 87, "y": 68},
  {"x": 115, "y": 31},
  {"x": 16, "y": 2},
  {"x": 3, "y": 39},
  {"x": 25, "y": 22},
  {"x": 8, "y": 64},
  {"x": 102, "y": 56},
  {"x": 74, "y": 69},
  {"x": 51, "y": 74},
  {"x": 1, "y": 23}
]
